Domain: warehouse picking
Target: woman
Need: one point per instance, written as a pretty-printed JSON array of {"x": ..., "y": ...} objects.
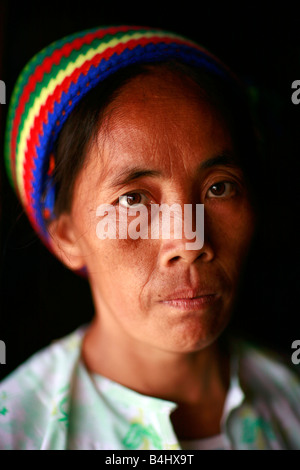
[{"x": 131, "y": 118}]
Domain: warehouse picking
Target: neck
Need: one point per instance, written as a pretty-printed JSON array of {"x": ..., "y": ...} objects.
[{"x": 186, "y": 378}]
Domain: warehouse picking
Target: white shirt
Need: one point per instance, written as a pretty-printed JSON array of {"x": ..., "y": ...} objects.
[{"x": 53, "y": 402}]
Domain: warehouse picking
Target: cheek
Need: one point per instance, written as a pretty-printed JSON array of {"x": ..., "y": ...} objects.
[
  {"x": 230, "y": 228},
  {"x": 125, "y": 277},
  {"x": 135, "y": 258},
  {"x": 120, "y": 266},
  {"x": 131, "y": 260}
]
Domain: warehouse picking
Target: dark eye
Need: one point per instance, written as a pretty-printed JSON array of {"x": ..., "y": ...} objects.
[
  {"x": 222, "y": 189},
  {"x": 130, "y": 200}
]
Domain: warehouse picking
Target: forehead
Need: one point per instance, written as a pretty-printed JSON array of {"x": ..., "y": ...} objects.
[{"x": 161, "y": 120}]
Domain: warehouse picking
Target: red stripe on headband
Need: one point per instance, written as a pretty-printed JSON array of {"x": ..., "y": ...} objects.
[
  {"x": 45, "y": 68},
  {"x": 42, "y": 117}
]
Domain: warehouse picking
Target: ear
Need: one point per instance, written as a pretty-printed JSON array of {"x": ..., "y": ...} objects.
[{"x": 64, "y": 242}]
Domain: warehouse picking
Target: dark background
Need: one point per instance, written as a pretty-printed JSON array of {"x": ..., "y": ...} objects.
[{"x": 40, "y": 299}]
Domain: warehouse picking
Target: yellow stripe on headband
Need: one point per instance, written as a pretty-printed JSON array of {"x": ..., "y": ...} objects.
[{"x": 54, "y": 82}]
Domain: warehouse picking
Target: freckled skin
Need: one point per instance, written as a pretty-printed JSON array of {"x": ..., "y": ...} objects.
[{"x": 159, "y": 122}]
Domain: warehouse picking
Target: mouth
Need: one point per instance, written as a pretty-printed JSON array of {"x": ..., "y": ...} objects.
[{"x": 190, "y": 299}]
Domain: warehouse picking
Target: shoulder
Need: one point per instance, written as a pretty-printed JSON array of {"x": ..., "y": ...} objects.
[
  {"x": 266, "y": 367},
  {"x": 272, "y": 387},
  {"x": 30, "y": 394}
]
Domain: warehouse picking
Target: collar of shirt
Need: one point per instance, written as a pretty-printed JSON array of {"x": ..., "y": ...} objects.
[{"x": 131, "y": 420}]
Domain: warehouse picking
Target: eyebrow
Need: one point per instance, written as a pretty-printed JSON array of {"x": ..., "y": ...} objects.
[
  {"x": 220, "y": 160},
  {"x": 134, "y": 173}
]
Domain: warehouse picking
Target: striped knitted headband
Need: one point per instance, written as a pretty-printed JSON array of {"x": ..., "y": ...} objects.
[{"x": 55, "y": 80}]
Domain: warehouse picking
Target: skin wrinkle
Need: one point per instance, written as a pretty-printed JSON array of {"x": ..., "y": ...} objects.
[
  {"x": 162, "y": 352},
  {"x": 114, "y": 119},
  {"x": 119, "y": 114}
]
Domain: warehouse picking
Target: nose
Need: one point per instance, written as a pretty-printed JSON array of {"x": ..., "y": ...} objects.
[
  {"x": 175, "y": 251},
  {"x": 185, "y": 249}
]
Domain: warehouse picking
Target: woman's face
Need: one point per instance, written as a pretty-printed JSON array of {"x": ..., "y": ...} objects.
[{"x": 163, "y": 143}]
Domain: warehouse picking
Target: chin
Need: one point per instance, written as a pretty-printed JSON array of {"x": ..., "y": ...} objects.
[{"x": 190, "y": 340}]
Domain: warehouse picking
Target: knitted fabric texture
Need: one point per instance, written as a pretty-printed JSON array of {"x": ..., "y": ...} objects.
[{"x": 55, "y": 80}]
